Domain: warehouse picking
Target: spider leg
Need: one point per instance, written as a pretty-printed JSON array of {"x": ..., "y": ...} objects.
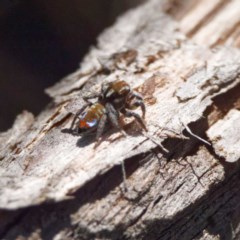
[
  {"x": 143, "y": 107},
  {"x": 100, "y": 129},
  {"x": 78, "y": 113},
  {"x": 128, "y": 113},
  {"x": 114, "y": 117},
  {"x": 137, "y": 95},
  {"x": 139, "y": 102},
  {"x": 91, "y": 96},
  {"x": 101, "y": 126}
]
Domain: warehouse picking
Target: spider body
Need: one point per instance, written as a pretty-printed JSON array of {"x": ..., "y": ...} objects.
[{"x": 116, "y": 97}]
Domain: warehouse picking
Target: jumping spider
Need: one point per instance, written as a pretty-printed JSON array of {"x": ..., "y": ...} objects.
[{"x": 115, "y": 97}]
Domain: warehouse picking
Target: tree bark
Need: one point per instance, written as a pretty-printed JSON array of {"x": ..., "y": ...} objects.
[{"x": 182, "y": 176}]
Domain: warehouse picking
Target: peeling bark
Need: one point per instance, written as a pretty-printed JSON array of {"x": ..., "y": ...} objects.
[{"x": 56, "y": 185}]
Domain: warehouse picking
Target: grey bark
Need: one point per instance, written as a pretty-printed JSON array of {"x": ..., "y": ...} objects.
[{"x": 57, "y": 186}]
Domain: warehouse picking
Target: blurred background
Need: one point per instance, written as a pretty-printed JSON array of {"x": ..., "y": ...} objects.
[{"x": 41, "y": 41}]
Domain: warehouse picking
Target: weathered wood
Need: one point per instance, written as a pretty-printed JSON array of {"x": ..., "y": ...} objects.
[
  {"x": 56, "y": 185},
  {"x": 225, "y": 136}
]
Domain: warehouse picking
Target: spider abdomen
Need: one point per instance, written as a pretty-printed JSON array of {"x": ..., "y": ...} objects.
[{"x": 91, "y": 117}]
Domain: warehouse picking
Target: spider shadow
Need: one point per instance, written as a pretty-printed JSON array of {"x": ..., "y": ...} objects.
[
  {"x": 132, "y": 129},
  {"x": 83, "y": 140},
  {"x": 88, "y": 139}
]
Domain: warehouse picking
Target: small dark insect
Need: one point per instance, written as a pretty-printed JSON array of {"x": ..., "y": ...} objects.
[{"x": 115, "y": 97}]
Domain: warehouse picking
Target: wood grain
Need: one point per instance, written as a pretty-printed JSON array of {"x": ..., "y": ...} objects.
[{"x": 57, "y": 186}]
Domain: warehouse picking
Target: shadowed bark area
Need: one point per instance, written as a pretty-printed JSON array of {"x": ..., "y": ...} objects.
[{"x": 58, "y": 186}]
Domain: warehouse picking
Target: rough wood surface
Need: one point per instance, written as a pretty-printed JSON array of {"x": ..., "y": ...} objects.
[{"x": 56, "y": 185}]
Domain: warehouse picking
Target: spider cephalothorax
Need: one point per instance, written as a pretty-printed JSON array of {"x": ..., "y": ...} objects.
[{"x": 121, "y": 96}]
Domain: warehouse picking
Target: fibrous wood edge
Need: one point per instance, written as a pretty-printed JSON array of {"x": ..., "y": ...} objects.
[
  {"x": 55, "y": 185},
  {"x": 209, "y": 23}
]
